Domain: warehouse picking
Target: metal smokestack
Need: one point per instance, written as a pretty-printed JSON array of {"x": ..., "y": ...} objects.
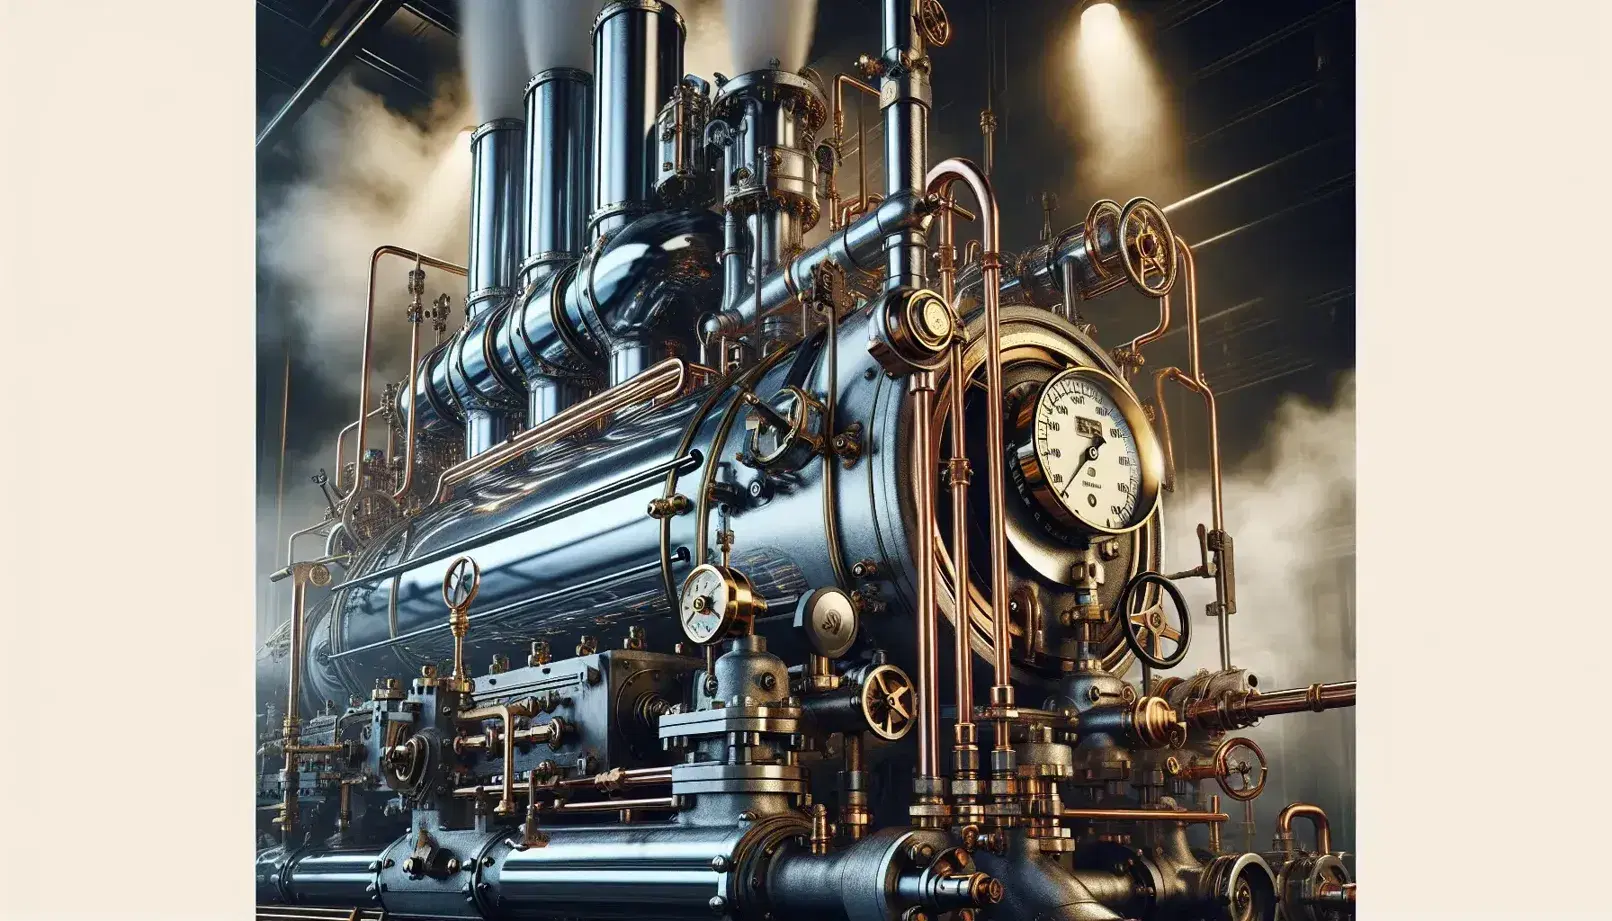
[
  {"x": 495, "y": 212},
  {"x": 904, "y": 96},
  {"x": 637, "y": 63},
  {"x": 559, "y": 144}
]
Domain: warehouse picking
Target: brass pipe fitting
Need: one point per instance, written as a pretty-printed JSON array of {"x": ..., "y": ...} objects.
[{"x": 369, "y": 342}]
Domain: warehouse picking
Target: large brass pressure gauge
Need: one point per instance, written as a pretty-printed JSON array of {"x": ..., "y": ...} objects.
[
  {"x": 717, "y": 603},
  {"x": 1083, "y": 454}
]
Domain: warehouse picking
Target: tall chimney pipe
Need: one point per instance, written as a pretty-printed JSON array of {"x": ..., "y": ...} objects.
[
  {"x": 495, "y": 218},
  {"x": 637, "y": 63},
  {"x": 559, "y": 142},
  {"x": 905, "y": 98}
]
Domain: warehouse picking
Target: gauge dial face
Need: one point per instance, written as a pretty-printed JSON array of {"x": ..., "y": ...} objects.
[
  {"x": 706, "y": 605},
  {"x": 1089, "y": 452},
  {"x": 1080, "y": 457}
]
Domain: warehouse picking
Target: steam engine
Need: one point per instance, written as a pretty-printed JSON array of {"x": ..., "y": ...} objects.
[{"x": 686, "y": 551}]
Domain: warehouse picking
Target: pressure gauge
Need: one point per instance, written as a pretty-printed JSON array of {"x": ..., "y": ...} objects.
[
  {"x": 1084, "y": 456},
  {"x": 717, "y": 602}
]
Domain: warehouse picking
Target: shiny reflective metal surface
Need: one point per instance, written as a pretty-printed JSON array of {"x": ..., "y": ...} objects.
[{"x": 654, "y": 377}]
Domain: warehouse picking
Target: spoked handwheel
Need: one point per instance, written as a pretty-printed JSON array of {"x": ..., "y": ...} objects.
[
  {"x": 1145, "y": 630},
  {"x": 888, "y": 702},
  {"x": 1240, "y": 768}
]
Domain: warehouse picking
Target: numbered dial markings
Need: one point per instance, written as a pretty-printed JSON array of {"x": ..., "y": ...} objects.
[
  {"x": 715, "y": 603},
  {"x": 1089, "y": 453},
  {"x": 1083, "y": 455}
]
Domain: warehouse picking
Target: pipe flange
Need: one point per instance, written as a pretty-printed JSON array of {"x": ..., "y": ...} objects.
[
  {"x": 1238, "y": 887},
  {"x": 1302, "y": 883}
]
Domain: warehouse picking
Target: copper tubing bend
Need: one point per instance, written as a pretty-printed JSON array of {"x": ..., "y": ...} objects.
[
  {"x": 662, "y": 381},
  {"x": 959, "y": 475},
  {"x": 1317, "y": 817},
  {"x": 369, "y": 341},
  {"x": 939, "y": 182},
  {"x": 1225, "y": 591}
]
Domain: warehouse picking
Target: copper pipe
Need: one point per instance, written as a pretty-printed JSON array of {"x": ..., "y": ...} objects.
[
  {"x": 1214, "y": 827},
  {"x": 279, "y": 489},
  {"x": 341, "y": 452},
  {"x": 1225, "y": 589},
  {"x": 1245, "y": 710},
  {"x": 1144, "y": 815},
  {"x": 507, "y": 713},
  {"x": 938, "y": 182},
  {"x": 855, "y": 209},
  {"x": 615, "y": 805},
  {"x": 369, "y": 340},
  {"x": 921, "y": 385},
  {"x": 344, "y": 809},
  {"x": 840, "y": 82},
  {"x": 291, "y": 542},
  {"x": 1132, "y": 353},
  {"x": 1316, "y": 697},
  {"x": 1317, "y": 817},
  {"x": 622, "y": 778},
  {"x": 662, "y": 381},
  {"x": 964, "y": 734},
  {"x": 300, "y": 576},
  {"x": 637, "y": 777}
]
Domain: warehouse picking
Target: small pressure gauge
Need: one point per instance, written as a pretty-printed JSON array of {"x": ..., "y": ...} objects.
[{"x": 717, "y": 602}]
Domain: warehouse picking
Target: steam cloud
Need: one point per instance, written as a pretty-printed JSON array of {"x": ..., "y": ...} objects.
[
  {"x": 706, "y": 50},
  {"x": 375, "y": 177},
  {"x": 493, "y": 57},
  {"x": 759, "y": 32},
  {"x": 557, "y": 33},
  {"x": 1290, "y": 511}
]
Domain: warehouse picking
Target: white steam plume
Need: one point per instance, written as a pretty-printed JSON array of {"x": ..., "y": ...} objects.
[
  {"x": 492, "y": 57},
  {"x": 761, "y": 30},
  {"x": 374, "y": 177},
  {"x": 557, "y": 33},
  {"x": 1290, "y": 511},
  {"x": 706, "y": 50}
]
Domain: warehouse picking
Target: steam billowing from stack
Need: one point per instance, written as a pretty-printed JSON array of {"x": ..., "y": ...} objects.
[
  {"x": 528, "y": 155},
  {"x": 762, "y": 32}
]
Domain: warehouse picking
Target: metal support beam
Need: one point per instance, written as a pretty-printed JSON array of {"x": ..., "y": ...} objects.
[{"x": 366, "y": 26}]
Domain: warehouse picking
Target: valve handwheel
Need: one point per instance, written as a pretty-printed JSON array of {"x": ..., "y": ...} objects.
[
  {"x": 1152, "y": 623},
  {"x": 1241, "y": 758},
  {"x": 1148, "y": 246},
  {"x": 461, "y": 583},
  {"x": 887, "y": 701}
]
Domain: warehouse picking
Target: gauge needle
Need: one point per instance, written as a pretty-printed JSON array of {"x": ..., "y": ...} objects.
[{"x": 1090, "y": 454}]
